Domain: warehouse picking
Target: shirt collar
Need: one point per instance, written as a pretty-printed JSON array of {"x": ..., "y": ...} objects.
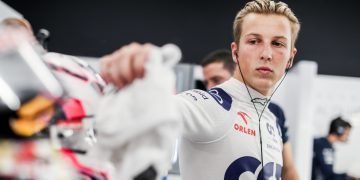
[{"x": 238, "y": 91}]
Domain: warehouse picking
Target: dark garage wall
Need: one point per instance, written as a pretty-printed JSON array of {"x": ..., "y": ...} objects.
[{"x": 330, "y": 31}]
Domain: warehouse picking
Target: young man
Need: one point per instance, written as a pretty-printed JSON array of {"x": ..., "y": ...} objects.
[
  {"x": 228, "y": 132},
  {"x": 323, "y": 160},
  {"x": 218, "y": 66}
]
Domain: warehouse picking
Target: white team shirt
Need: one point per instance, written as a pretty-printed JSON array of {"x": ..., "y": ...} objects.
[{"x": 221, "y": 138}]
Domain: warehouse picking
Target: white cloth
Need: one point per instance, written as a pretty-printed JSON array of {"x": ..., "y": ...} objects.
[
  {"x": 137, "y": 126},
  {"x": 221, "y": 138}
]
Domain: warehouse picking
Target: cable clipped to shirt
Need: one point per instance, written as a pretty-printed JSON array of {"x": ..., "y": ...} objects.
[{"x": 259, "y": 100}]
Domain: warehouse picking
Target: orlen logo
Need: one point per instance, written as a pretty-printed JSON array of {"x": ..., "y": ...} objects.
[{"x": 244, "y": 129}]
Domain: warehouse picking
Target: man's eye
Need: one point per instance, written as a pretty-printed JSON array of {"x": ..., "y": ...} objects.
[
  {"x": 278, "y": 44},
  {"x": 218, "y": 80},
  {"x": 253, "y": 41}
]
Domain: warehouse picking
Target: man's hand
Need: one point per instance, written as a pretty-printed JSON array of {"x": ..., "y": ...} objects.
[{"x": 126, "y": 64}]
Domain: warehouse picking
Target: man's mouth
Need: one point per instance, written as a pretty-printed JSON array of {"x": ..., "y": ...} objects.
[{"x": 264, "y": 70}]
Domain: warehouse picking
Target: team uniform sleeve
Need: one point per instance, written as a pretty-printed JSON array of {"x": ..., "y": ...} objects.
[
  {"x": 281, "y": 120},
  {"x": 203, "y": 119},
  {"x": 283, "y": 126}
]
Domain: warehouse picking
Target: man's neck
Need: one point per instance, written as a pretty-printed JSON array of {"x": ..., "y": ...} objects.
[
  {"x": 238, "y": 76},
  {"x": 332, "y": 138}
]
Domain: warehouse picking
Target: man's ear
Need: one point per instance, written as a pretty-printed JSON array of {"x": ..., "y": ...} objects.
[
  {"x": 234, "y": 51},
  {"x": 289, "y": 65},
  {"x": 291, "y": 60}
]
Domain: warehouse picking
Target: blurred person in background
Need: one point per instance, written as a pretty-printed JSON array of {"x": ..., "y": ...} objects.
[{"x": 324, "y": 152}]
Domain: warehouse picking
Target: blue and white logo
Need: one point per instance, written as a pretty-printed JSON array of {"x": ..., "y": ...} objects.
[
  {"x": 221, "y": 97},
  {"x": 251, "y": 164},
  {"x": 270, "y": 129}
]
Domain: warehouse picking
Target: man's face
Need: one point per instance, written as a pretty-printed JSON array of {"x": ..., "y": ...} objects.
[
  {"x": 214, "y": 74},
  {"x": 264, "y": 50}
]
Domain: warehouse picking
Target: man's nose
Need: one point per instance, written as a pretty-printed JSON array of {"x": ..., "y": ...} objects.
[{"x": 266, "y": 54}]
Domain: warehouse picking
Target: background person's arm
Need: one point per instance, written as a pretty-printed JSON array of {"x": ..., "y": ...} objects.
[{"x": 289, "y": 171}]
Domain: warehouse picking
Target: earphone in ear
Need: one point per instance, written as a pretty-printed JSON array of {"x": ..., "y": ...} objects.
[
  {"x": 236, "y": 53},
  {"x": 340, "y": 130},
  {"x": 289, "y": 64}
]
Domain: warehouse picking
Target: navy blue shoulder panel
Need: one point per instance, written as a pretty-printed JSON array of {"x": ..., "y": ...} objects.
[
  {"x": 280, "y": 117},
  {"x": 221, "y": 97}
]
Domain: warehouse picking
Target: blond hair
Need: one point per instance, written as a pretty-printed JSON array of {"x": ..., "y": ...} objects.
[{"x": 266, "y": 7}]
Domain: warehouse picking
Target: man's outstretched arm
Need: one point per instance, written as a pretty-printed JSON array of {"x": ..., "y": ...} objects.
[{"x": 125, "y": 65}]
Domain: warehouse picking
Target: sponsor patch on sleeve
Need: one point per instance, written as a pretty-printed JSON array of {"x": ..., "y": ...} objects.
[{"x": 221, "y": 97}]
